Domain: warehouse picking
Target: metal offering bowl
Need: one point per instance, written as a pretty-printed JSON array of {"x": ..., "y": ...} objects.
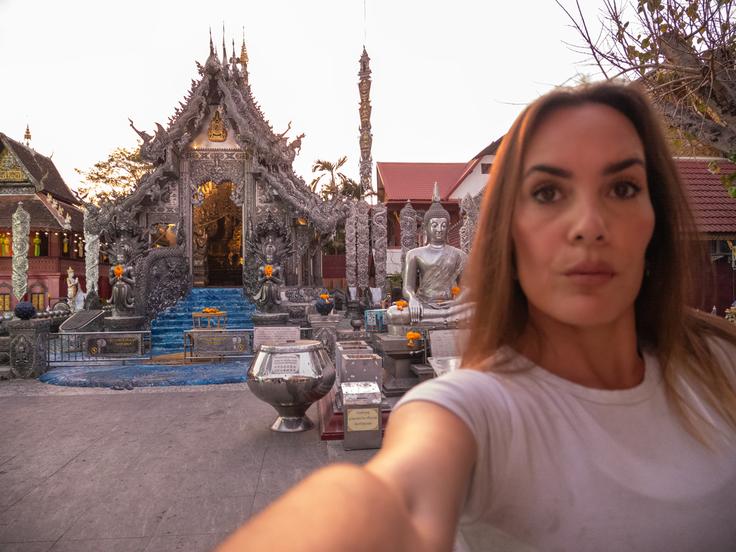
[{"x": 290, "y": 377}]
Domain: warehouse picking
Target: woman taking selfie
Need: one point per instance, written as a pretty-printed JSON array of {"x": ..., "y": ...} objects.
[{"x": 595, "y": 410}]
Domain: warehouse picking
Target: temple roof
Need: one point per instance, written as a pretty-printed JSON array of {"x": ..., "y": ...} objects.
[
  {"x": 415, "y": 181},
  {"x": 43, "y": 215},
  {"x": 40, "y": 169},
  {"x": 224, "y": 86}
]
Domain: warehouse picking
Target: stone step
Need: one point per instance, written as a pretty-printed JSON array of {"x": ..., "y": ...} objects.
[{"x": 168, "y": 328}]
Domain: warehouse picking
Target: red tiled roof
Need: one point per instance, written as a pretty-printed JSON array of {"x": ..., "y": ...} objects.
[
  {"x": 714, "y": 210},
  {"x": 402, "y": 181}
]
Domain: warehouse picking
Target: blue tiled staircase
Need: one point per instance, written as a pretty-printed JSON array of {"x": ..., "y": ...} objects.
[{"x": 167, "y": 329}]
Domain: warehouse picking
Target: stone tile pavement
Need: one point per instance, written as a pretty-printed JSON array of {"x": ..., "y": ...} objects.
[{"x": 146, "y": 470}]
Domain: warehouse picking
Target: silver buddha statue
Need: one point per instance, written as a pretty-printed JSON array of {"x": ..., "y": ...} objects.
[{"x": 430, "y": 273}]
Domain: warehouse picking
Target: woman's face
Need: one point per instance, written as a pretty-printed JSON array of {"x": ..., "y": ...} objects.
[{"x": 583, "y": 217}]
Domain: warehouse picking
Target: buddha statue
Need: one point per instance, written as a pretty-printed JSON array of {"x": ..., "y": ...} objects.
[
  {"x": 269, "y": 277},
  {"x": 123, "y": 282},
  {"x": 430, "y": 274}
]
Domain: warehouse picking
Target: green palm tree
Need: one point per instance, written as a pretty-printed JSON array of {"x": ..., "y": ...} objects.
[{"x": 330, "y": 182}]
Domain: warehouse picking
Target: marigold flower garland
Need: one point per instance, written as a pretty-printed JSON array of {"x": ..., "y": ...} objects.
[{"x": 412, "y": 337}]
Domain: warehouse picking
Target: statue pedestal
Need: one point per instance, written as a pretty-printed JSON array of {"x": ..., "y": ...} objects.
[
  {"x": 270, "y": 318},
  {"x": 398, "y": 358},
  {"x": 123, "y": 323},
  {"x": 29, "y": 340}
]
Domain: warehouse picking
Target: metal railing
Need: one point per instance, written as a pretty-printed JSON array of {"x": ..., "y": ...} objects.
[{"x": 74, "y": 348}]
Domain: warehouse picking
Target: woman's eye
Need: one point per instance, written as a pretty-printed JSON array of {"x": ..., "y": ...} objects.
[
  {"x": 547, "y": 194},
  {"x": 625, "y": 190}
]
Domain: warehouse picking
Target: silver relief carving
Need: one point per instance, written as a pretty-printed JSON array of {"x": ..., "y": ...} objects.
[
  {"x": 408, "y": 225},
  {"x": 362, "y": 245},
  {"x": 379, "y": 236},
  {"x": 21, "y": 231},
  {"x": 469, "y": 207},
  {"x": 91, "y": 253},
  {"x": 350, "y": 251}
]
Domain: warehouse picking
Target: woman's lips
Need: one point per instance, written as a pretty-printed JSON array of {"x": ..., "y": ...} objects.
[{"x": 590, "y": 273}]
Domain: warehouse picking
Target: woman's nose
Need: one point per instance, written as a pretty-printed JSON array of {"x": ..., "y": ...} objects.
[{"x": 588, "y": 222}]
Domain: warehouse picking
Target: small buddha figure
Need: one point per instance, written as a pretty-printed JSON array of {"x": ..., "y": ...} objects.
[
  {"x": 430, "y": 274},
  {"x": 269, "y": 276},
  {"x": 122, "y": 280},
  {"x": 36, "y": 245}
]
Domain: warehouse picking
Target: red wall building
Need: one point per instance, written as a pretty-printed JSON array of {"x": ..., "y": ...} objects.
[{"x": 56, "y": 240}]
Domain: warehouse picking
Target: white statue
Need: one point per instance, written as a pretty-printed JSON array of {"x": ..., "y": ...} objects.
[{"x": 74, "y": 296}]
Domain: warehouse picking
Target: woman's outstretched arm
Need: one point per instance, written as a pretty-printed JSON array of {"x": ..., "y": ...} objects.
[{"x": 408, "y": 497}]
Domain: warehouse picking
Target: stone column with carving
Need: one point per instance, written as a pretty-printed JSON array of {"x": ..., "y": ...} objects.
[
  {"x": 379, "y": 237},
  {"x": 469, "y": 207},
  {"x": 366, "y": 137},
  {"x": 408, "y": 224},
  {"x": 350, "y": 250},
  {"x": 363, "y": 244},
  {"x": 21, "y": 231},
  {"x": 91, "y": 254}
]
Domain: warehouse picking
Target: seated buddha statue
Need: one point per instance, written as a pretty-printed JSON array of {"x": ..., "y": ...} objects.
[{"x": 430, "y": 274}]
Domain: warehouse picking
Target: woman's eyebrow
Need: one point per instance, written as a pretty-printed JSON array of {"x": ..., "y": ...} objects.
[
  {"x": 549, "y": 169},
  {"x": 610, "y": 169},
  {"x": 621, "y": 165}
]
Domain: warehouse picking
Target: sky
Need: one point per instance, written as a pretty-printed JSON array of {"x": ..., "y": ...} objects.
[{"x": 448, "y": 77}]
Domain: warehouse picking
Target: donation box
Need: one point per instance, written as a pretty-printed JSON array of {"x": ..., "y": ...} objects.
[{"x": 361, "y": 407}]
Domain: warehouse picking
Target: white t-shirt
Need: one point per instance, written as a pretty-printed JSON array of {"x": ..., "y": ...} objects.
[{"x": 565, "y": 467}]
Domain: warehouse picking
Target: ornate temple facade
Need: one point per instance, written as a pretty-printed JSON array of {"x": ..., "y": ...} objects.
[{"x": 221, "y": 175}]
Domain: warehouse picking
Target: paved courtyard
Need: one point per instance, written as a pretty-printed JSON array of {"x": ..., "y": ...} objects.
[{"x": 151, "y": 469}]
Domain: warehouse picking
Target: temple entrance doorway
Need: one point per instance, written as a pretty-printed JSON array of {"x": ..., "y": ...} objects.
[{"x": 217, "y": 226}]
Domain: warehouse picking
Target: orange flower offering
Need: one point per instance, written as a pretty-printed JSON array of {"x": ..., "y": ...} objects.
[
  {"x": 325, "y": 296},
  {"x": 268, "y": 271},
  {"x": 401, "y": 305},
  {"x": 118, "y": 270},
  {"x": 455, "y": 291},
  {"x": 211, "y": 310},
  {"x": 412, "y": 337}
]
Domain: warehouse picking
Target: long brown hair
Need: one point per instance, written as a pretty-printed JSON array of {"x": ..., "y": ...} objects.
[{"x": 665, "y": 324}]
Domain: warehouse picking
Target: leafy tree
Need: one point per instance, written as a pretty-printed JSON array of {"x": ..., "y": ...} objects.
[
  {"x": 114, "y": 178},
  {"x": 331, "y": 183},
  {"x": 682, "y": 51}
]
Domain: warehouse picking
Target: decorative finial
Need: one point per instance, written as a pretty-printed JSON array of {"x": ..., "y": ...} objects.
[
  {"x": 224, "y": 53},
  {"x": 243, "y": 52},
  {"x": 27, "y": 136},
  {"x": 212, "y": 46},
  {"x": 436, "y": 210}
]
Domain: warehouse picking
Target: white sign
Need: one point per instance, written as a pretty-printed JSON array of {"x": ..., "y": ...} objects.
[
  {"x": 285, "y": 365},
  {"x": 274, "y": 335}
]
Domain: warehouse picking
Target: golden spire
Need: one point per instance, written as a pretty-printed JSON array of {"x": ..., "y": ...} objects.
[
  {"x": 243, "y": 52},
  {"x": 27, "y": 136}
]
